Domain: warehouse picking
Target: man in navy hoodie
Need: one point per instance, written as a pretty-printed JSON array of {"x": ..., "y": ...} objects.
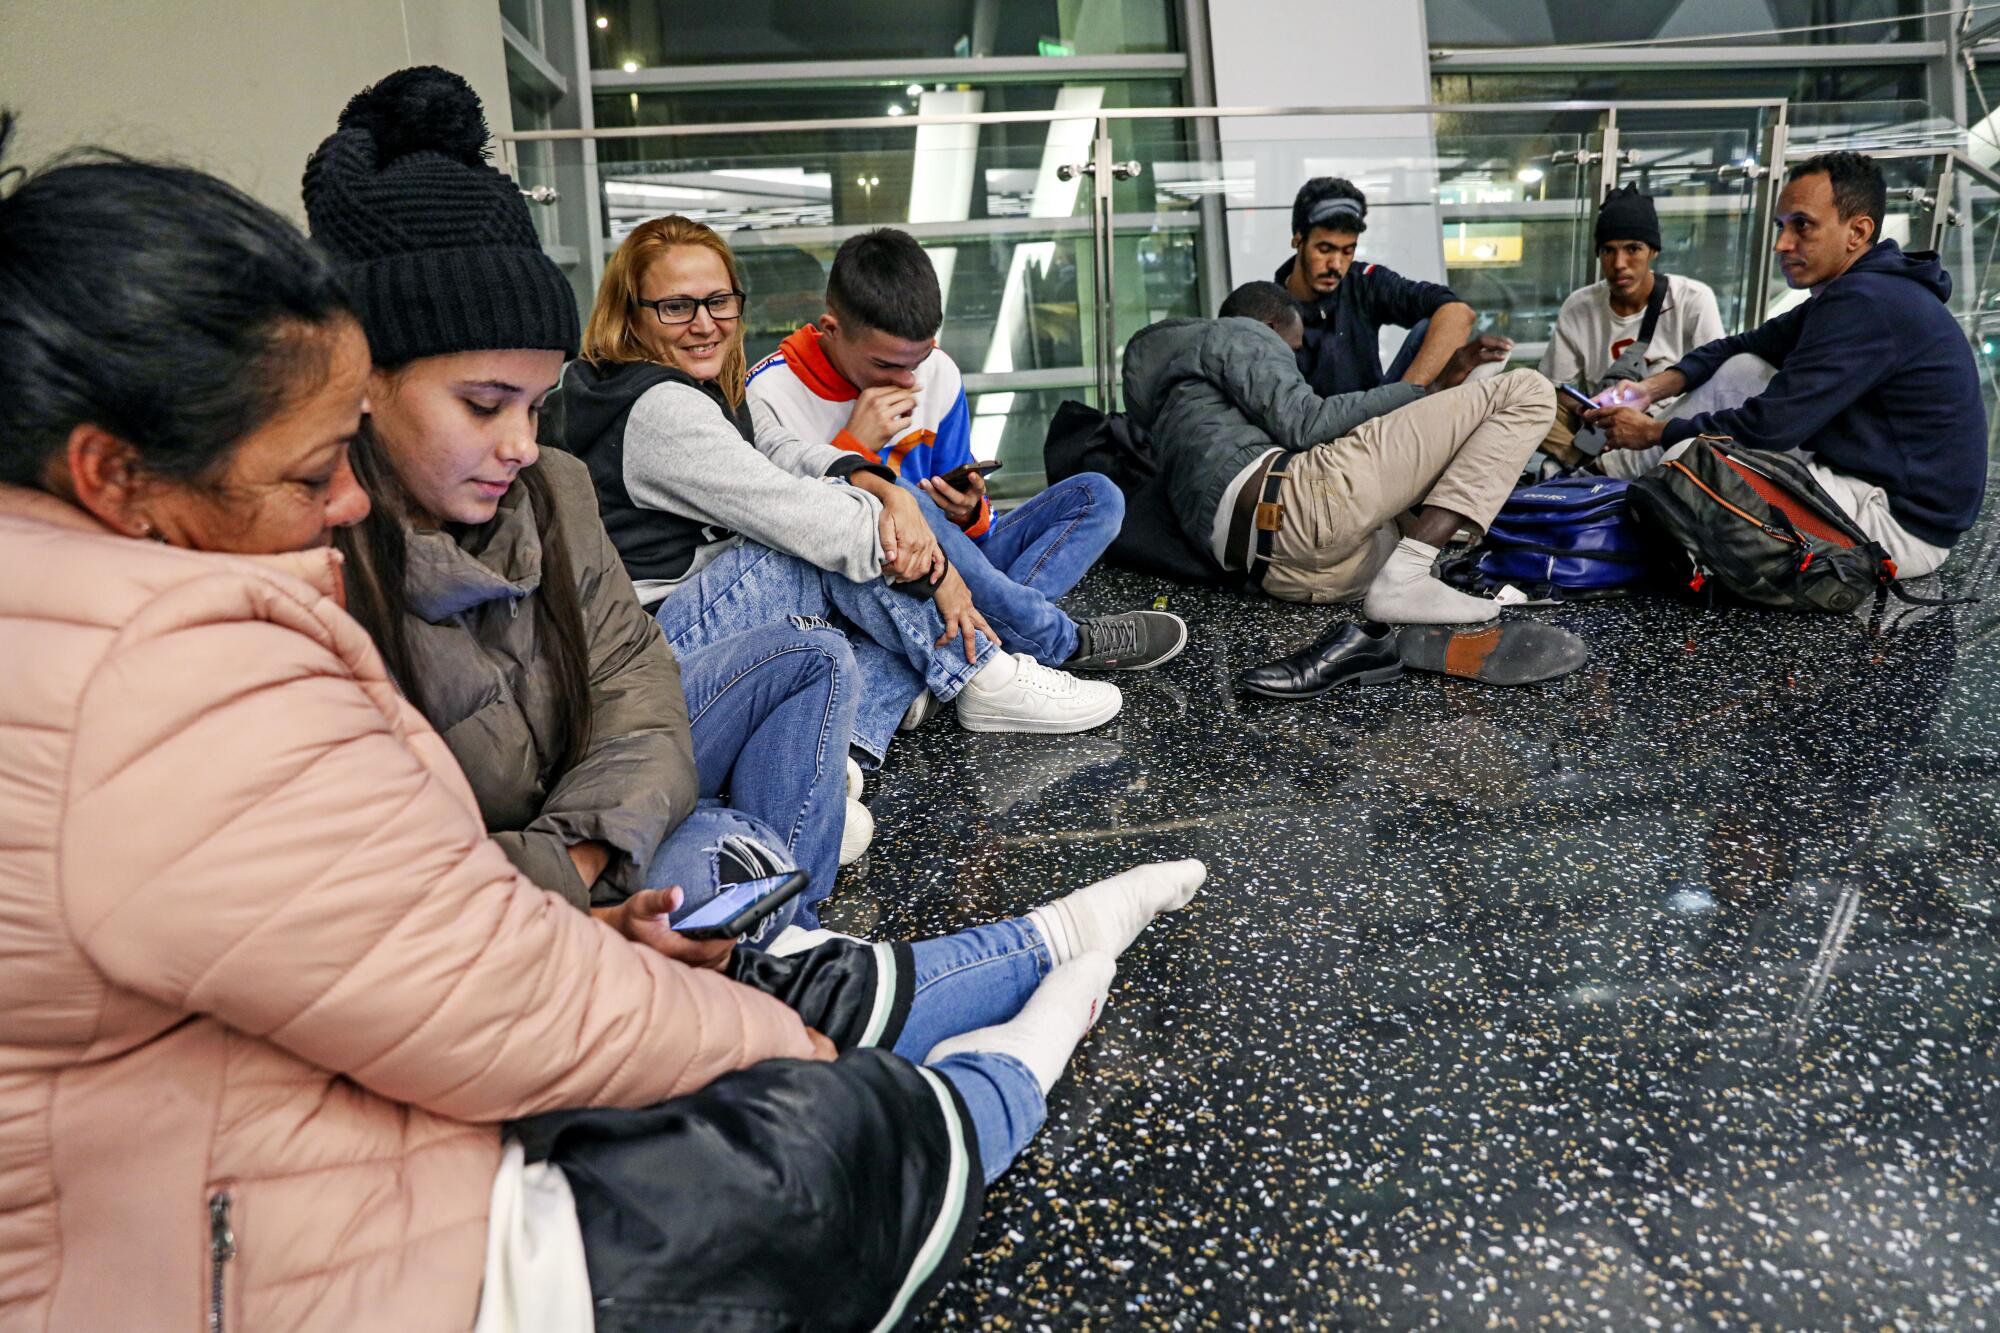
[{"x": 1870, "y": 376}]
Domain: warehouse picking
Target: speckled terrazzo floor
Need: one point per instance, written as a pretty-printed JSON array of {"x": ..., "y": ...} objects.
[{"x": 1666, "y": 996}]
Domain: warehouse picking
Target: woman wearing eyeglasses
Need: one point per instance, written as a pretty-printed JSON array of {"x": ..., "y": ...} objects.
[{"x": 725, "y": 524}]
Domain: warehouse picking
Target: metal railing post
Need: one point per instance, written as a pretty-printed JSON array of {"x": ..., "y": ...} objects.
[
  {"x": 1942, "y": 212},
  {"x": 1102, "y": 179},
  {"x": 1212, "y": 250},
  {"x": 1607, "y": 166},
  {"x": 1776, "y": 139}
]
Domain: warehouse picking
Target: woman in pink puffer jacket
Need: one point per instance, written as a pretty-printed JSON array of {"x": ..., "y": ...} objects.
[{"x": 266, "y": 987}]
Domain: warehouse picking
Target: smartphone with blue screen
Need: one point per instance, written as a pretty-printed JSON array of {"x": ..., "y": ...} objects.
[
  {"x": 737, "y": 910},
  {"x": 1578, "y": 399}
]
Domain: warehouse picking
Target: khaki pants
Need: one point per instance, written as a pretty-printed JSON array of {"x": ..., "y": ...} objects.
[{"x": 1461, "y": 449}]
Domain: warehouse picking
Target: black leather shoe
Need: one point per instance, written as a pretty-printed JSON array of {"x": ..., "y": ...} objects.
[{"x": 1365, "y": 652}]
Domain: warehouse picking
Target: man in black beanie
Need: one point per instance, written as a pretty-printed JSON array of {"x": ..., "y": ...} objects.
[{"x": 1635, "y": 321}]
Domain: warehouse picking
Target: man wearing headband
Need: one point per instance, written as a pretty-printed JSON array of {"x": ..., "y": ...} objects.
[{"x": 1345, "y": 304}]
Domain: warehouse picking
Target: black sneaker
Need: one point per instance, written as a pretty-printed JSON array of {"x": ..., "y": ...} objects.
[{"x": 1130, "y": 641}]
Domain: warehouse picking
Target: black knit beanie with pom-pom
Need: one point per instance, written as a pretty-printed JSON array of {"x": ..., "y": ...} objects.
[{"x": 436, "y": 247}]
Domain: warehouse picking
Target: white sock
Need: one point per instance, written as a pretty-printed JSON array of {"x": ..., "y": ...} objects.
[
  {"x": 997, "y": 674},
  {"x": 1050, "y": 1024},
  {"x": 1404, "y": 592},
  {"x": 1107, "y": 916}
]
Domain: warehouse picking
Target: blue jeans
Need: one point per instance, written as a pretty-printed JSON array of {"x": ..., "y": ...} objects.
[
  {"x": 895, "y": 650},
  {"x": 772, "y": 711},
  {"x": 1032, "y": 555},
  {"x": 975, "y": 979}
]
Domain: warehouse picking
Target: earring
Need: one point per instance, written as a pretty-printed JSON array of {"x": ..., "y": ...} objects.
[{"x": 148, "y": 531}]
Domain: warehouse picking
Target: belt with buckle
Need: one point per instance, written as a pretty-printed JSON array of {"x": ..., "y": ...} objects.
[{"x": 1253, "y": 524}]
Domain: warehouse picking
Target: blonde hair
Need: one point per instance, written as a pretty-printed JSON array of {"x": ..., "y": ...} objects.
[{"x": 610, "y": 338}]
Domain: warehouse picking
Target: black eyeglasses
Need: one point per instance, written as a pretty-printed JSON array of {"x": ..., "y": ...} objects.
[{"x": 680, "y": 309}]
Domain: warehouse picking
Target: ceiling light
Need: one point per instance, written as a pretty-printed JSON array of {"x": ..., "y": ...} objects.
[
  {"x": 914, "y": 90},
  {"x": 895, "y": 108},
  {"x": 631, "y": 67},
  {"x": 1529, "y": 175},
  {"x": 603, "y": 23}
]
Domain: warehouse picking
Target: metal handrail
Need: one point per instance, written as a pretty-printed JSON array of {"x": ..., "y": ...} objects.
[{"x": 1131, "y": 113}]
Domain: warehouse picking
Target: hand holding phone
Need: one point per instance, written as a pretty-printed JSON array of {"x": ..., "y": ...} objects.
[
  {"x": 642, "y": 918},
  {"x": 739, "y": 908},
  {"x": 964, "y": 472},
  {"x": 1577, "y": 398}
]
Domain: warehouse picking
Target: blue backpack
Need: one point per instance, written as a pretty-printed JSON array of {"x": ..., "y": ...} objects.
[{"x": 1567, "y": 537}]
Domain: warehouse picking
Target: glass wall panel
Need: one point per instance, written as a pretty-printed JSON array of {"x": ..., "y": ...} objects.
[
  {"x": 1703, "y": 172},
  {"x": 524, "y": 16},
  {"x": 1011, "y": 427},
  {"x": 721, "y": 106},
  {"x": 1559, "y": 22},
  {"x": 1516, "y": 212},
  {"x": 1973, "y": 256},
  {"x": 1982, "y": 103},
  {"x": 694, "y": 32}
]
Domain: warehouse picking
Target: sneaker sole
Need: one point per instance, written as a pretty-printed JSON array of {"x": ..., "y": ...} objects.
[
  {"x": 1040, "y": 726},
  {"x": 930, "y": 705}
]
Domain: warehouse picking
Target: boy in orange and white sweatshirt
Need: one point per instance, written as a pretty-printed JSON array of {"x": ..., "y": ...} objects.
[{"x": 870, "y": 379}]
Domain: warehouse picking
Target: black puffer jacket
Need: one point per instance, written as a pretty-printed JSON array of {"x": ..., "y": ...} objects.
[
  {"x": 791, "y": 1197},
  {"x": 1214, "y": 394}
]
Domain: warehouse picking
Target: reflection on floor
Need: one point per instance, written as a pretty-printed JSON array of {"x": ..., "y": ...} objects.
[{"x": 1664, "y": 996}]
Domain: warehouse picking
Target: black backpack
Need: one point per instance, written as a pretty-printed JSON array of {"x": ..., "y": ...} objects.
[
  {"x": 1758, "y": 524},
  {"x": 1083, "y": 439}
]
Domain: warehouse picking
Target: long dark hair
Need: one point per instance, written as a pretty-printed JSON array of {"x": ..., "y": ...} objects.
[
  {"x": 377, "y": 551},
  {"x": 156, "y": 303}
]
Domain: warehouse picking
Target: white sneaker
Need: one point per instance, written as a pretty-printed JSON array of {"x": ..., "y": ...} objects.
[
  {"x": 1017, "y": 693},
  {"x": 856, "y": 833},
  {"x": 919, "y": 712},
  {"x": 853, "y": 779}
]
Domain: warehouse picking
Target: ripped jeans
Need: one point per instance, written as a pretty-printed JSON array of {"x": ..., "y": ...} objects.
[
  {"x": 717, "y": 846},
  {"x": 771, "y": 710}
]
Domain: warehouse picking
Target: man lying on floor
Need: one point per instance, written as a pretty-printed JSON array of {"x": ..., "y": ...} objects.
[
  {"x": 1327, "y": 499},
  {"x": 1871, "y": 376}
]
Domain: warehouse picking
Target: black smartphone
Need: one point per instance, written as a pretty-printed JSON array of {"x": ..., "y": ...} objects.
[
  {"x": 736, "y": 911},
  {"x": 958, "y": 476},
  {"x": 1578, "y": 399}
]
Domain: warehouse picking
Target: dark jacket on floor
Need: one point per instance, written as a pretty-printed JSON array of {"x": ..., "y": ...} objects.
[
  {"x": 1876, "y": 378},
  {"x": 487, "y": 685},
  {"x": 794, "y": 1195},
  {"x": 1214, "y": 394},
  {"x": 1343, "y": 349}
]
